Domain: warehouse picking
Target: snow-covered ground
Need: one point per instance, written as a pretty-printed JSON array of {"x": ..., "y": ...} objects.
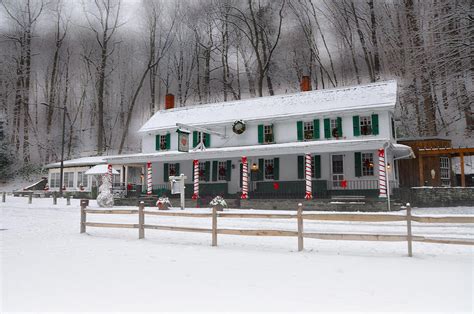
[{"x": 46, "y": 265}]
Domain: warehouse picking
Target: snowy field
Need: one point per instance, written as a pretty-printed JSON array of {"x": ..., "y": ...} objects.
[{"x": 46, "y": 265}]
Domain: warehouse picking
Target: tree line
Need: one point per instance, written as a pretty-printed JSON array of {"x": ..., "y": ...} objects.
[{"x": 107, "y": 64}]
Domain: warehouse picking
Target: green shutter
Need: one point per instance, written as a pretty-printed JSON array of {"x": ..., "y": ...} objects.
[
  {"x": 207, "y": 140},
  {"x": 375, "y": 124},
  {"x": 241, "y": 173},
  {"x": 358, "y": 164},
  {"x": 228, "y": 170},
  {"x": 339, "y": 126},
  {"x": 355, "y": 125},
  {"x": 327, "y": 128},
  {"x": 176, "y": 168},
  {"x": 168, "y": 141},
  {"x": 157, "y": 142},
  {"x": 316, "y": 129},
  {"x": 317, "y": 166},
  {"x": 299, "y": 130},
  {"x": 214, "y": 170},
  {"x": 276, "y": 168},
  {"x": 261, "y": 171},
  {"x": 195, "y": 138},
  {"x": 165, "y": 172},
  {"x": 260, "y": 133},
  {"x": 207, "y": 171},
  {"x": 300, "y": 167}
]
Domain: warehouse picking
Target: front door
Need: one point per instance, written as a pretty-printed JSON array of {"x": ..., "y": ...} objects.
[{"x": 337, "y": 170}]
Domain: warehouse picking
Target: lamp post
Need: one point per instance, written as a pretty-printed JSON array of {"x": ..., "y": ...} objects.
[{"x": 61, "y": 169}]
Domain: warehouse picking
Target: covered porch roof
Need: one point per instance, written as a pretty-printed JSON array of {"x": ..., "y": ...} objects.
[{"x": 311, "y": 147}]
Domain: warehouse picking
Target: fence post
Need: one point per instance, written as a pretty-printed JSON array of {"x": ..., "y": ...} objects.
[
  {"x": 55, "y": 199},
  {"x": 4, "y": 197},
  {"x": 141, "y": 220},
  {"x": 84, "y": 204},
  {"x": 409, "y": 236},
  {"x": 299, "y": 217},
  {"x": 30, "y": 198},
  {"x": 68, "y": 200},
  {"x": 214, "y": 226}
]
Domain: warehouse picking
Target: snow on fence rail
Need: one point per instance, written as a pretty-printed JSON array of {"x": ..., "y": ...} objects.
[{"x": 299, "y": 216}]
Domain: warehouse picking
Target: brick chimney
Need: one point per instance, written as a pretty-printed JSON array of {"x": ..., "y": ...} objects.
[
  {"x": 169, "y": 101},
  {"x": 305, "y": 84}
]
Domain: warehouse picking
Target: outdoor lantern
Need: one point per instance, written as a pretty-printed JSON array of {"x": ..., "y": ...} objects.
[
  {"x": 254, "y": 167},
  {"x": 433, "y": 174},
  {"x": 388, "y": 166}
]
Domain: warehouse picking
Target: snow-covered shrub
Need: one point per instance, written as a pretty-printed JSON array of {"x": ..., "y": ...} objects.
[
  {"x": 105, "y": 197},
  {"x": 163, "y": 203},
  {"x": 219, "y": 203}
]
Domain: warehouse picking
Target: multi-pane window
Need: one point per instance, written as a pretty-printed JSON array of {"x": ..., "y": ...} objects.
[
  {"x": 337, "y": 170},
  {"x": 268, "y": 133},
  {"x": 367, "y": 164},
  {"x": 334, "y": 128},
  {"x": 202, "y": 171},
  {"x": 163, "y": 142},
  {"x": 365, "y": 125},
  {"x": 171, "y": 170},
  {"x": 308, "y": 128},
  {"x": 205, "y": 138},
  {"x": 222, "y": 170},
  {"x": 81, "y": 179},
  {"x": 68, "y": 179},
  {"x": 268, "y": 169},
  {"x": 444, "y": 171},
  {"x": 54, "y": 181}
]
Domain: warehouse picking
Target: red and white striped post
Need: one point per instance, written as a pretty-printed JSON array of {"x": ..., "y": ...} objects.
[
  {"x": 307, "y": 172},
  {"x": 196, "y": 180},
  {"x": 382, "y": 174},
  {"x": 149, "y": 180},
  {"x": 245, "y": 179},
  {"x": 109, "y": 173}
]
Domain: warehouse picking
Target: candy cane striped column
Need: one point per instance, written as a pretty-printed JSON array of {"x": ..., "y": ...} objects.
[
  {"x": 382, "y": 176},
  {"x": 196, "y": 180},
  {"x": 245, "y": 179},
  {"x": 109, "y": 173},
  {"x": 307, "y": 172},
  {"x": 149, "y": 181}
]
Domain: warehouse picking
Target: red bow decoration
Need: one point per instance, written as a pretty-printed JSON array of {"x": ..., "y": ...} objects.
[
  {"x": 381, "y": 153},
  {"x": 276, "y": 186},
  {"x": 308, "y": 196},
  {"x": 344, "y": 184}
]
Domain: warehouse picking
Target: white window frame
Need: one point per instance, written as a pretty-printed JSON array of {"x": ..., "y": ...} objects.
[
  {"x": 367, "y": 171},
  {"x": 219, "y": 165},
  {"x": 365, "y": 121},
  {"x": 69, "y": 183},
  {"x": 268, "y": 176},
  {"x": 444, "y": 169},
  {"x": 172, "y": 166},
  {"x": 202, "y": 166},
  {"x": 308, "y": 127},
  {"x": 268, "y": 130},
  {"x": 54, "y": 180},
  {"x": 163, "y": 142},
  {"x": 82, "y": 179}
]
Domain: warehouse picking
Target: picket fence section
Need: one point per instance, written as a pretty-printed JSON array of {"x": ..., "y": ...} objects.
[{"x": 299, "y": 233}]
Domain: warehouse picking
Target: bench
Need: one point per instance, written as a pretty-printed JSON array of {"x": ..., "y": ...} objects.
[{"x": 348, "y": 199}]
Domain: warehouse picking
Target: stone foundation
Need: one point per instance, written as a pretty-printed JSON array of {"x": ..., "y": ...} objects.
[{"x": 437, "y": 196}]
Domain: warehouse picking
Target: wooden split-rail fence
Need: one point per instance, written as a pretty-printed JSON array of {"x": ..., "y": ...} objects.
[{"x": 299, "y": 216}]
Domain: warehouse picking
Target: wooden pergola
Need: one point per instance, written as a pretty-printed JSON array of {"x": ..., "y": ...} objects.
[{"x": 451, "y": 152}]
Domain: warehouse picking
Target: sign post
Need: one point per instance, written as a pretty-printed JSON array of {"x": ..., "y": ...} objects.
[{"x": 177, "y": 187}]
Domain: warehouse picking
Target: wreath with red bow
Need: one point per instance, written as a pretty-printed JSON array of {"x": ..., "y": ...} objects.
[{"x": 269, "y": 169}]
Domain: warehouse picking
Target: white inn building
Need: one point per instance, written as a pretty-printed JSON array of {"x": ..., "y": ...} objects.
[{"x": 348, "y": 134}]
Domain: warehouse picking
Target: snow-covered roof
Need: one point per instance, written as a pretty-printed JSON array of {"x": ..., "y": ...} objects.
[
  {"x": 83, "y": 161},
  {"x": 100, "y": 169},
  {"x": 264, "y": 150},
  {"x": 381, "y": 95}
]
